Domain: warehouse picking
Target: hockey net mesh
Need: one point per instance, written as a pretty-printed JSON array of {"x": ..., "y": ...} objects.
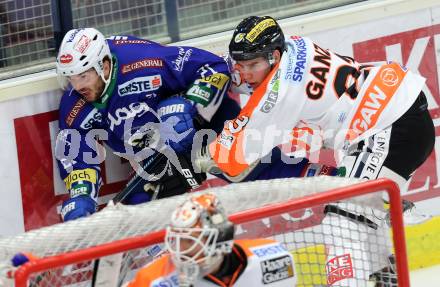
[{"x": 315, "y": 234}]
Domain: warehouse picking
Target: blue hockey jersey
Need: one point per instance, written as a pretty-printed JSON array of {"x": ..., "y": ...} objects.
[{"x": 143, "y": 74}]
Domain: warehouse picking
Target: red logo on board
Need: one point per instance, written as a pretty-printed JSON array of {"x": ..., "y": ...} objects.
[
  {"x": 338, "y": 268},
  {"x": 416, "y": 50}
]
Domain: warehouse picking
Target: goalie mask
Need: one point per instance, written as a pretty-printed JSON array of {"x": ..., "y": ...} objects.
[
  {"x": 81, "y": 50},
  {"x": 256, "y": 37},
  {"x": 198, "y": 237}
]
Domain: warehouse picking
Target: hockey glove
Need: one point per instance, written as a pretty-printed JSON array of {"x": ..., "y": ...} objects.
[
  {"x": 138, "y": 197},
  {"x": 76, "y": 207},
  {"x": 178, "y": 180},
  {"x": 22, "y": 258},
  {"x": 173, "y": 181},
  {"x": 177, "y": 123}
]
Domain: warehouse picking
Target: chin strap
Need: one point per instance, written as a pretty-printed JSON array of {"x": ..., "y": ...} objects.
[
  {"x": 106, "y": 81},
  {"x": 110, "y": 75}
]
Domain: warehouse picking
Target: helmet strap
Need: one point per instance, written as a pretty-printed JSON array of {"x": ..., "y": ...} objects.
[
  {"x": 108, "y": 80},
  {"x": 109, "y": 85}
]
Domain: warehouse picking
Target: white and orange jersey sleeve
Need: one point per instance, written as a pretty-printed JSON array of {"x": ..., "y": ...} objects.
[
  {"x": 229, "y": 150},
  {"x": 388, "y": 92},
  {"x": 160, "y": 270}
]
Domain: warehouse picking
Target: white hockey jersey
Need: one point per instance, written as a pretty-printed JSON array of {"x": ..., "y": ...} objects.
[
  {"x": 315, "y": 92},
  {"x": 268, "y": 264}
]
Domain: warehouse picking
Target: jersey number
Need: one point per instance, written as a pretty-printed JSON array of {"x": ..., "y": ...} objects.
[{"x": 345, "y": 80}]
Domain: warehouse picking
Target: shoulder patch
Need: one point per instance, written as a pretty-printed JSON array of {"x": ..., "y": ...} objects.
[
  {"x": 77, "y": 107},
  {"x": 142, "y": 64},
  {"x": 277, "y": 269},
  {"x": 268, "y": 250},
  {"x": 217, "y": 80},
  {"x": 249, "y": 245}
]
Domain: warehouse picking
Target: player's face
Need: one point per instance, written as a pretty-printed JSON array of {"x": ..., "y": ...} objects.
[
  {"x": 89, "y": 84},
  {"x": 187, "y": 244},
  {"x": 253, "y": 71},
  {"x": 191, "y": 248}
]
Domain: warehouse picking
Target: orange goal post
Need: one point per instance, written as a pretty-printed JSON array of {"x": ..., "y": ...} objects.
[{"x": 312, "y": 217}]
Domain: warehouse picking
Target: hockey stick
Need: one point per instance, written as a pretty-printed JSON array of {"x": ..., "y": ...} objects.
[
  {"x": 149, "y": 167},
  {"x": 106, "y": 270},
  {"x": 184, "y": 179},
  {"x": 184, "y": 173}
]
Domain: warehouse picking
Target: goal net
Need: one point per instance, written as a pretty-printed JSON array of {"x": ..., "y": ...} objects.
[{"x": 338, "y": 230}]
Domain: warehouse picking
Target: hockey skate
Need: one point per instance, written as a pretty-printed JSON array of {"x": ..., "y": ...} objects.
[{"x": 410, "y": 214}]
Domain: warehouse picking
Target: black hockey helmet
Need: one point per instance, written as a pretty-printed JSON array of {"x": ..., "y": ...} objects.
[{"x": 256, "y": 37}]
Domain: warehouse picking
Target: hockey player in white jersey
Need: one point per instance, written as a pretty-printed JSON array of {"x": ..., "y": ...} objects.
[
  {"x": 375, "y": 118},
  {"x": 202, "y": 252}
]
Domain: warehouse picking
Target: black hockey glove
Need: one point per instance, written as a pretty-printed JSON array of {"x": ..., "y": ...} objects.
[
  {"x": 161, "y": 178},
  {"x": 178, "y": 180}
]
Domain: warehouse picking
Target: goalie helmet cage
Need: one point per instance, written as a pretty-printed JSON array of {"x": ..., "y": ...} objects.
[{"x": 303, "y": 206}]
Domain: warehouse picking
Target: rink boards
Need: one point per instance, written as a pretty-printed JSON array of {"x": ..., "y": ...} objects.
[{"x": 404, "y": 31}]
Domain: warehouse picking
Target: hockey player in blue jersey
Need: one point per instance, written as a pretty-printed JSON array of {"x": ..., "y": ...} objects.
[
  {"x": 141, "y": 97},
  {"x": 127, "y": 91}
]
